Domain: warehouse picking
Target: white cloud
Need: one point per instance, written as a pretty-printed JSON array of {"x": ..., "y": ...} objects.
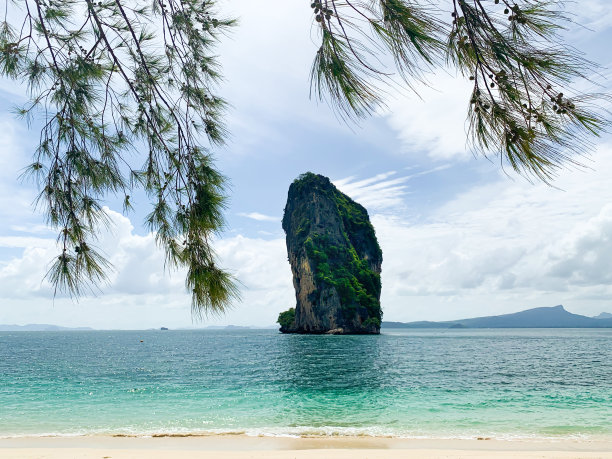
[
  {"x": 584, "y": 255},
  {"x": 504, "y": 246},
  {"x": 376, "y": 193},
  {"x": 140, "y": 281},
  {"x": 259, "y": 217},
  {"x": 434, "y": 119},
  {"x": 382, "y": 192},
  {"x": 591, "y": 15},
  {"x": 266, "y": 63}
]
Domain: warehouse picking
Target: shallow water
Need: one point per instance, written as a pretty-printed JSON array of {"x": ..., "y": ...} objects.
[{"x": 408, "y": 383}]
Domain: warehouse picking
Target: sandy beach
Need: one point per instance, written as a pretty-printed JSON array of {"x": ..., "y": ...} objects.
[{"x": 240, "y": 446}]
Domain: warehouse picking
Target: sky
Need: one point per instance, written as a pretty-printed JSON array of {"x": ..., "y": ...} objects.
[{"x": 461, "y": 237}]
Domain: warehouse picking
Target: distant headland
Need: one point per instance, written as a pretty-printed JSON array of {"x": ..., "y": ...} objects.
[{"x": 548, "y": 317}]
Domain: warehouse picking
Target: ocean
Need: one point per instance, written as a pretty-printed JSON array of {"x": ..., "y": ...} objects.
[{"x": 519, "y": 383}]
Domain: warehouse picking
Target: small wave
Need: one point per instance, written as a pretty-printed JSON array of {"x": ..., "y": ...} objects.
[
  {"x": 316, "y": 432},
  {"x": 76, "y": 434}
]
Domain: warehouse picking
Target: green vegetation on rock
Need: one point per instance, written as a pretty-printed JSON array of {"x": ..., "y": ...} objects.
[
  {"x": 371, "y": 321},
  {"x": 341, "y": 267},
  {"x": 286, "y": 319}
]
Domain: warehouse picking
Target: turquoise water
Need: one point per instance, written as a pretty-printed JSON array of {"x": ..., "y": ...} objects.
[{"x": 414, "y": 383}]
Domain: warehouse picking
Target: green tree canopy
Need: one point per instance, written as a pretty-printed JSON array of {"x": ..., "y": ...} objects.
[
  {"x": 286, "y": 319},
  {"x": 113, "y": 77}
]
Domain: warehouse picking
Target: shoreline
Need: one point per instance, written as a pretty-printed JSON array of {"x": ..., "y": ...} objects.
[
  {"x": 334, "y": 447},
  {"x": 316, "y": 436}
]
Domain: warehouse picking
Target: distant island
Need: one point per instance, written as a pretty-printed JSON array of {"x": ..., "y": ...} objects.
[
  {"x": 550, "y": 317},
  {"x": 49, "y": 327},
  {"x": 40, "y": 327}
]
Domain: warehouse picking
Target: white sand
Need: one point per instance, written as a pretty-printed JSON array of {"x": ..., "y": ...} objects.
[{"x": 239, "y": 446}]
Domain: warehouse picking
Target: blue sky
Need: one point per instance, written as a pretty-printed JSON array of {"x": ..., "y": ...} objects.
[{"x": 460, "y": 237}]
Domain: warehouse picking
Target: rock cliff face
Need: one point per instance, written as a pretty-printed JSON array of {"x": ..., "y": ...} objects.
[{"x": 335, "y": 259}]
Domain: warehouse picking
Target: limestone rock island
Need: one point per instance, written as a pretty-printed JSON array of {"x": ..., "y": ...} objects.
[{"x": 335, "y": 260}]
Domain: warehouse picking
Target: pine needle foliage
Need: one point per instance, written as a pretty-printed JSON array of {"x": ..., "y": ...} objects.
[
  {"x": 524, "y": 107},
  {"x": 109, "y": 78}
]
